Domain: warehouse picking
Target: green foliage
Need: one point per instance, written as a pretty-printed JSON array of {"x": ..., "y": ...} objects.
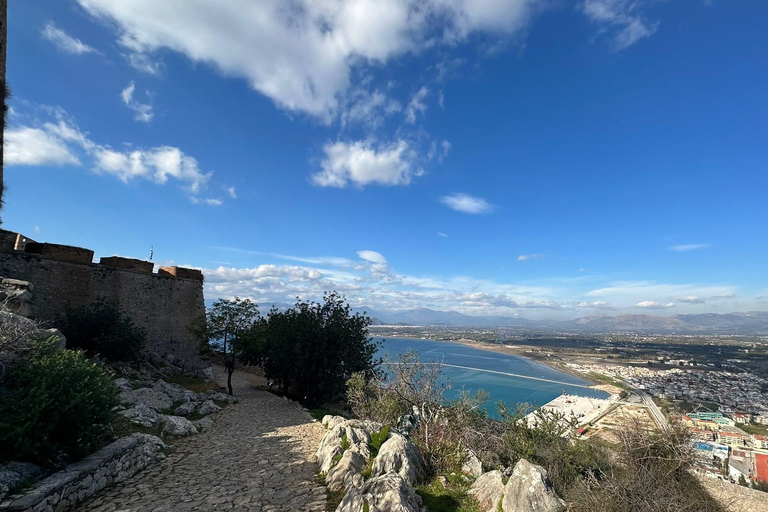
[
  {"x": 345, "y": 444},
  {"x": 59, "y": 401},
  {"x": 453, "y": 498},
  {"x": 314, "y": 348},
  {"x": 378, "y": 439},
  {"x": 320, "y": 412},
  {"x": 230, "y": 325},
  {"x": 101, "y": 328}
]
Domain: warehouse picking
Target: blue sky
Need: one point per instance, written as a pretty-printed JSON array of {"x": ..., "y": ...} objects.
[{"x": 533, "y": 158}]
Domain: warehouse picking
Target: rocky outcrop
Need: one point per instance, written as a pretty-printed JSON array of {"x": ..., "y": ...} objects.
[
  {"x": 185, "y": 409},
  {"x": 77, "y": 482},
  {"x": 400, "y": 456},
  {"x": 488, "y": 490},
  {"x": 352, "y": 435},
  {"x": 208, "y": 407},
  {"x": 14, "y": 474},
  {"x": 176, "y": 392},
  {"x": 472, "y": 465},
  {"x": 330, "y": 422},
  {"x": 16, "y": 296},
  {"x": 178, "y": 426},
  {"x": 385, "y": 493},
  {"x": 529, "y": 490},
  {"x": 142, "y": 414},
  {"x": 347, "y": 473},
  {"x": 157, "y": 400}
]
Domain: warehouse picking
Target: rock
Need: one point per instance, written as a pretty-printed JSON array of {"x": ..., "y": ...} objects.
[
  {"x": 488, "y": 490},
  {"x": 346, "y": 473},
  {"x": 330, "y": 421},
  {"x": 176, "y": 392},
  {"x": 185, "y": 409},
  {"x": 206, "y": 373},
  {"x": 178, "y": 426},
  {"x": 529, "y": 489},
  {"x": 220, "y": 397},
  {"x": 358, "y": 435},
  {"x": 400, "y": 455},
  {"x": 123, "y": 384},
  {"x": 15, "y": 473},
  {"x": 142, "y": 414},
  {"x": 203, "y": 423},
  {"x": 443, "y": 481},
  {"x": 472, "y": 465},
  {"x": 155, "y": 399},
  {"x": 385, "y": 493},
  {"x": 208, "y": 407}
]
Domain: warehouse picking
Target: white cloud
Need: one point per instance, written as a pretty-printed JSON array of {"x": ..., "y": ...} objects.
[
  {"x": 231, "y": 192},
  {"x": 649, "y": 304},
  {"x": 144, "y": 63},
  {"x": 301, "y": 54},
  {"x": 467, "y": 203},
  {"x": 526, "y": 257},
  {"x": 621, "y": 19},
  {"x": 37, "y": 229},
  {"x": 362, "y": 163},
  {"x": 56, "y": 143},
  {"x": 208, "y": 201},
  {"x": 416, "y": 105},
  {"x": 35, "y": 146},
  {"x": 372, "y": 256},
  {"x": 64, "y": 41},
  {"x": 688, "y": 247},
  {"x": 443, "y": 235},
  {"x": 143, "y": 111}
]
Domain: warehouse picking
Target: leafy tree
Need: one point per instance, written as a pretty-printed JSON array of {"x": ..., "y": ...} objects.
[
  {"x": 101, "y": 328},
  {"x": 229, "y": 321},
  {"x": 314, "y": 348}
]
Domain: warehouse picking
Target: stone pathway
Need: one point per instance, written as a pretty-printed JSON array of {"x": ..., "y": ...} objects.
[{"x": 259, "y": 456}]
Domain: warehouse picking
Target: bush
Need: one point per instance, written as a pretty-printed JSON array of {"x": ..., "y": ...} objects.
[
  {"x": 103, "y": 329},
  {"x": 58, "y": 401}
]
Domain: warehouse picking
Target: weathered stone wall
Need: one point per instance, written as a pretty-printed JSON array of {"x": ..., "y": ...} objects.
[
  {"x": 77, "y": 482},
  {"x": 165, "y": 305}
]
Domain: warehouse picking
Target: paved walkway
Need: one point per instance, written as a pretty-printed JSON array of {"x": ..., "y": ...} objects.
[{"x": 259, "y": 456}]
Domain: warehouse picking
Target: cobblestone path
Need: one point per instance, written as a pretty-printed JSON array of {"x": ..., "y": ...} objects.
[{"x": 258, "y": 456}]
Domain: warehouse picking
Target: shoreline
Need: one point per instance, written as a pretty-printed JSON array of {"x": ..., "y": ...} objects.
[{"x": 504, "y": 349}]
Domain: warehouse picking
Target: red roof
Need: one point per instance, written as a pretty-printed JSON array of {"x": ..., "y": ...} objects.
[{"x": 761, "y": 461}]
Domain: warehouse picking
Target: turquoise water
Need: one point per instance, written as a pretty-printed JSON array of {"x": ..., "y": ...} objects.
[{"x": 509, "y": 389}]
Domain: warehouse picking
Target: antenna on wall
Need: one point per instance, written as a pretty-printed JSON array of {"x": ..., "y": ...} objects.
[{"x": 151, "y": 252}]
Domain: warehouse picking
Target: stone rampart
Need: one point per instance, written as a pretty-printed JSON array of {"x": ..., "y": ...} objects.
[
  {"x": 165, "y": 304},
  {"x": 77, "y": 482}
]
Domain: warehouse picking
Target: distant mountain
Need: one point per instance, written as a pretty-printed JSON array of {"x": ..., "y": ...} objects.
[{"x": 425, "y": 316}]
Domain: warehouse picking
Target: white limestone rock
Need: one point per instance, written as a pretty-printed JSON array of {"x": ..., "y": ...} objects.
[
  {"x": 529, "y": 489},
  {"x": 14, "y": 473},
  {"x": 357, "y": 434},
  {"x": 472, "y": 465},
  {"x": 185, "y": 409},
  {"x": 401, "y": 456},
  {"x": 346, "y": 473},
  {"x": 155, "y": 399},
  {"x": 178, "y": 426},
  {"x": 385, "y": 493},
  {"x": 488, "y": 490},
  {"x": 330, "y": 421},
  {"x": 123, "y": 384},
  {"x": 208, "y": 407},
  {"x": 142, "y": 414},
  {"x": 175, "y": 391}
]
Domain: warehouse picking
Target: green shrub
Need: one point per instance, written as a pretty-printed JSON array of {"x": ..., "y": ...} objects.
[
  {"x": 377, "y": 439},
  {"x": 58, "y": 401},
  {"x": 103, "y": 329}
]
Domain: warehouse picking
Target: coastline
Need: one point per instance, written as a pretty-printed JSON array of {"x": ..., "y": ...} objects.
[{"x": 505, "y": 349}]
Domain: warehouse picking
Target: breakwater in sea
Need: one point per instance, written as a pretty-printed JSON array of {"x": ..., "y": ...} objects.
[{"x": 507, "y": 378}]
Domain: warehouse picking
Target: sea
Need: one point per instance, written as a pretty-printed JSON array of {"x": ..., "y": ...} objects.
[{"x": 466, "y": 367}]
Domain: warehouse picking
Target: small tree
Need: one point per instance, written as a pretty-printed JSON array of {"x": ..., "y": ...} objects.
[{"x": 227, "y": 321}]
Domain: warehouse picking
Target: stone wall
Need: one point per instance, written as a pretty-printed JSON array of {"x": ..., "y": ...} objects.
[
  {"x": 166, "y": 304},
  {"x": 77, "y": 482}
]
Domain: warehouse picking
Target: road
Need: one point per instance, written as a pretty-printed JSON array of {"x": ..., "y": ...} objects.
[{"x": 658, "y": 416}]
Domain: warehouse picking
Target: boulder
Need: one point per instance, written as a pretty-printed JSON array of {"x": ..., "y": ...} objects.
[
  {"x": 123, "y": 384},
  {"x": 208, "y": 407},
  {"x": 529, "y": 489},
  {"x": 219, "y": 397},
  {"x": 330, "y": 421},
  {"x": 384, "y": 493},
  {"x": 203, "y": 423},
  {"x": 488, "y": 490},
  {"x": 178, "y": 426},
  {"x": 155, "y": 399},
  {"x": 175, "y": 391},
  {"x": 357, "y": 434},
  {"x": 346, "y": 473},
  {"x": 401, "y": 456},
  {"x": 15, "y": 473},
  {"x": 142, "y": 414},
  {"x": 185, "y": 409},
  {"x": 472, "y": 465}
]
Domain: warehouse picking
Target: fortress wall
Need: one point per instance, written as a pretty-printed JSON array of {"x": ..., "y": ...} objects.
[{"x": 164, "y": 304}]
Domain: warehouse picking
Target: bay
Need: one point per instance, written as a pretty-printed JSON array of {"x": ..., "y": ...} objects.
[{"x": 482, "y": 369}]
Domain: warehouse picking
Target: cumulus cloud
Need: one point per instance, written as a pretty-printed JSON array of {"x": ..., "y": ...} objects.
[
  {"x": 526, "y": 257},
  {"x": 688, "y": 247},
  {"x": 36, "y": 146},
  {"x": 57, "y": 143},
  {"x": 64, "y": 41},
  {"x": 649, "y": 304},
  {"x": 364, "y": 163},
  {"x": 143, "y": 111},
  {"x": 301, "y": 54},
  {"x": 467, "y": 203},
  {"x": 621, "y": 19}
]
